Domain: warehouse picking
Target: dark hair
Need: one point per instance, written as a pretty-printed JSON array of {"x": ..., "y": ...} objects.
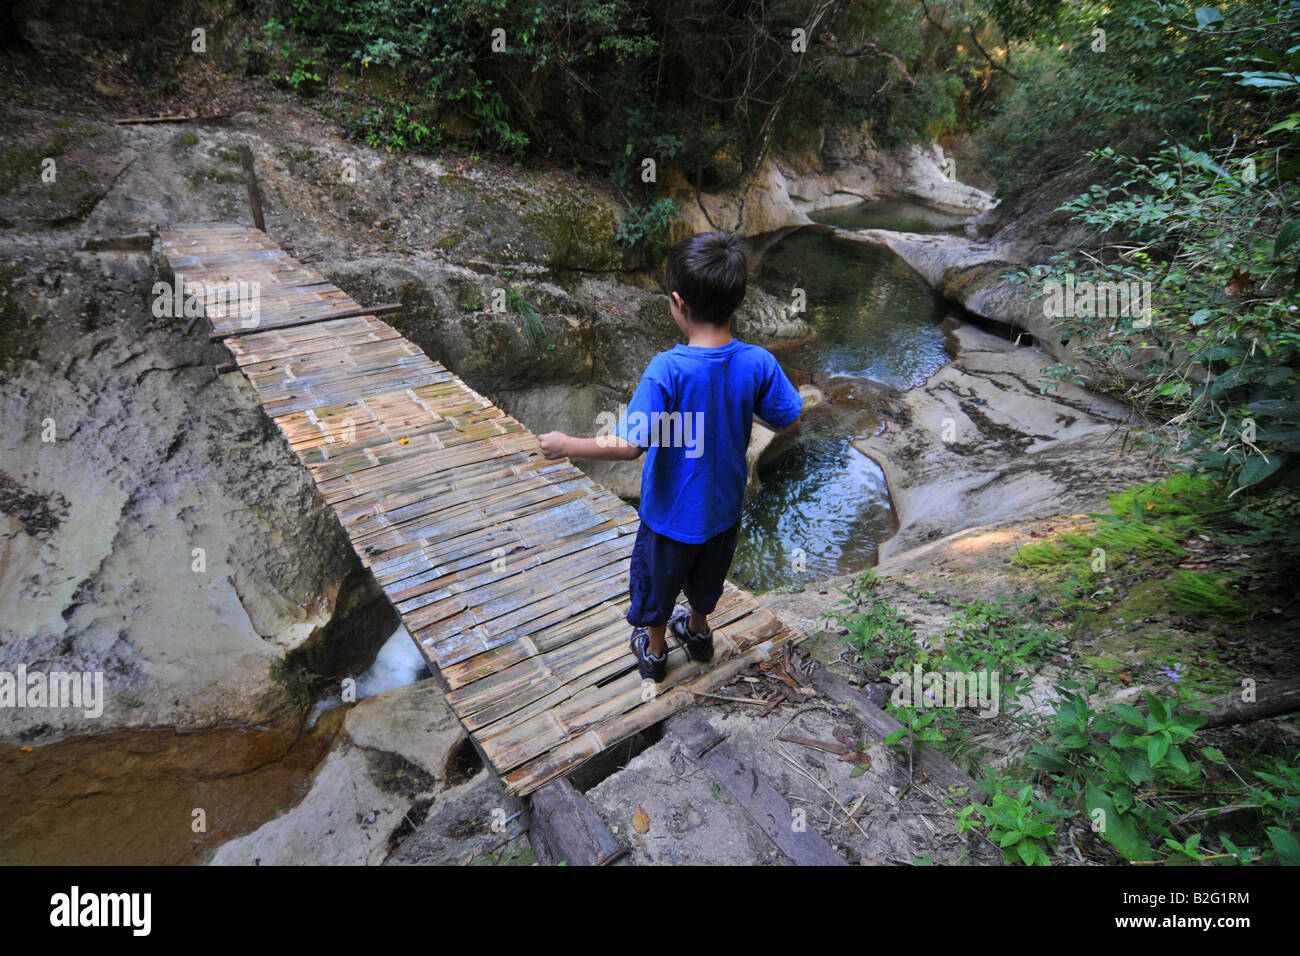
[{"x": 708, "y": 271}]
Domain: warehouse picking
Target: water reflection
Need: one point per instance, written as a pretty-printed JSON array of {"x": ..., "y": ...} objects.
[
  {"x": 824, "y": 507},
  {"x": 900, "y": 215}
]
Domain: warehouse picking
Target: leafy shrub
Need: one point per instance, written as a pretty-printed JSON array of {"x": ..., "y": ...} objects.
[
  {"x": 1021, "y": 824},
  {"x": 648, "y": 226},
  {"x": 396, "y": 128},
  {"x": 875, "y": 628},
  {"x": 1226, "y": 370}
]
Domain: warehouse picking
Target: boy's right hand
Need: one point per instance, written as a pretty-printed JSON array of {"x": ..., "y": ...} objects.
[{"x": 553, "y": 445}]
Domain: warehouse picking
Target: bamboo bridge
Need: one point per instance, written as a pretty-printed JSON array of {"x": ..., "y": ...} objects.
[{"x": 509, "y": 571}]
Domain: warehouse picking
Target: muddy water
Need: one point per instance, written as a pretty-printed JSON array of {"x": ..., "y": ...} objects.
[
  {"x": 130, "y": 797},
  {"x": 824, "y": 507}
]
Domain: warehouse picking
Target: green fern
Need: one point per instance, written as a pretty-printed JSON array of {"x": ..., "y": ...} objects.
[
  {"x": 534, "y": 330},
  {"x": 1147, "y": 521},
  {"x": 1181, "y": 493},
  {"x": 1207, "y": 594}
]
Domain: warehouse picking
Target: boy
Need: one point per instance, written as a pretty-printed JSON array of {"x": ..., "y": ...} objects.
[{"x": 691, "y": 415}]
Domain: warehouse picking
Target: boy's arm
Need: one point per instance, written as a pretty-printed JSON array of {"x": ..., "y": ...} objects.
[
  {"x": 603, "y": 447},
  {"x": 650, "y": 397}
]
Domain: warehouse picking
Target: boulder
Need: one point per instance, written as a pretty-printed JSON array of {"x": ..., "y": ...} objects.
[
  {"x": 392, "y": 773},
  {"x": 848, "y": 170},
  {"x": 980, "y": 442}
]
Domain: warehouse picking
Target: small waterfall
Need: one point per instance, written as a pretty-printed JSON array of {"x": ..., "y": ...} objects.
[{"x": 397, "y": 664}]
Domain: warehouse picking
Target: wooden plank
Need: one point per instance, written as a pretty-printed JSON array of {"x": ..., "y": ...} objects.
[
  {"x": 268, "y": 353},
  {"x": 752, "y": 791},
  {"x": 524, "y": 570},
  {"x": 515, "y": 743},
  {"x": 942, "y": 772},
  {"x": 550, "y": 681},
  {"x": 563, "y": 827},
  {"x": 386, "y": 309},
  {"x": 675, "y": 695}
]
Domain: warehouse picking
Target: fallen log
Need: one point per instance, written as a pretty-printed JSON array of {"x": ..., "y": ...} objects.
[
  {"x": 754, "y": 794},
  {"x": 941, "y": 771},
  {"x": 564, "y": 828},
  {"x": 1270, "y": 700}
]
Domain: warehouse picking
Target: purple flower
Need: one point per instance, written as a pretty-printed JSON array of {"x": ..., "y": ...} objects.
[{"x": 1174, "y": 673}]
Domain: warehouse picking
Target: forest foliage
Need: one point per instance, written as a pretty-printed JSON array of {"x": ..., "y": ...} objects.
[
  {"x": 1188, "y": 113},
  {"x": 702, "y": 87}
]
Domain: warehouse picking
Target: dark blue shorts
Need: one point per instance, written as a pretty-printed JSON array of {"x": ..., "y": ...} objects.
[{"x": 663, "y": 567}]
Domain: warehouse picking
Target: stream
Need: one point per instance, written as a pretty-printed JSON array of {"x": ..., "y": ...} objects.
[{"x": 824, "y": 507}]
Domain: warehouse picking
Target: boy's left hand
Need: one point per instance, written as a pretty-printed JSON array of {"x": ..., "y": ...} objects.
[{"x": 553, "y": 445}]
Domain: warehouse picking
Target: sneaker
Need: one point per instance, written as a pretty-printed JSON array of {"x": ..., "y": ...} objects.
[
  {"x": 647, "y": 665},
  {"x": 699, "y": 646}
]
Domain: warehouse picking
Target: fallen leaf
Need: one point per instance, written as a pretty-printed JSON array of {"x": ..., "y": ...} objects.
[
  {"x": 641, "y": 820},
  {"x": 845, "y": 735}
]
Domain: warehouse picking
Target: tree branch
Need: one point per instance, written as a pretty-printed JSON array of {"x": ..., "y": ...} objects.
[
  {"x": 877, "y": 50},
  {"x": 993, "y": 63}
]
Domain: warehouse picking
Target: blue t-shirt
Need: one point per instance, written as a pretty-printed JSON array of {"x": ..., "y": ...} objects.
[{"x": 693, "y": 411}]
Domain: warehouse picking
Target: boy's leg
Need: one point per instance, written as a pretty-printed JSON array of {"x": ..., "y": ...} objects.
[
  {"x": 708, "y": 576},
  {"x": 657, "y": 643},
  {"x": 658, "y": 568}
]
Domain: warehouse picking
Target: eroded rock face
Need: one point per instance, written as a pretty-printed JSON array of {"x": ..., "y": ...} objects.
[
  {"x": 155, "y": 526},
  {"x": 979, "y": 443},
  {"x": 974, "y": 273},
  {"x": 846, "y": 169},
  {"x": 1032, "y": 227},
  {"x": 971, "y": 271}
]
